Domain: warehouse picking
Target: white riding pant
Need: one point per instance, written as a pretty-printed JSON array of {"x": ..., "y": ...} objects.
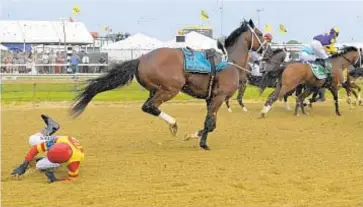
[
  {"x": 255, "y": 70},
  {"x": 318, "y": 49},
  {"x": 44, "y": 164},
  {"x": 307, "y": 57}
]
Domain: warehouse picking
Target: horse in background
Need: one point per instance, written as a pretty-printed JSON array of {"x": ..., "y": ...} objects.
[
  {"x": 313, "y": 76},
  {"x": 271, "y": 61},
  {"x": 164, "y": 74}
]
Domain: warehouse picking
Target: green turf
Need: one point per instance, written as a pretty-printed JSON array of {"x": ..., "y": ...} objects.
[{"x": 41, "y": 91}]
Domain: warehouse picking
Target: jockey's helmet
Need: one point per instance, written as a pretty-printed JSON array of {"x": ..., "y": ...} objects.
[
  {"x": 334, "y": 31},
  {"x": 268, "y": 37}
]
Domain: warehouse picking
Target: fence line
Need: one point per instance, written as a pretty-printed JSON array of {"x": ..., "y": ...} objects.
[
  {"x": 50, "y": 75},
  {"x": 36, "y": 65}
]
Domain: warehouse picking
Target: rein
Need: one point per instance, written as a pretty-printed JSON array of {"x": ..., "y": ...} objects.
[{"x": 262, "y": 46}]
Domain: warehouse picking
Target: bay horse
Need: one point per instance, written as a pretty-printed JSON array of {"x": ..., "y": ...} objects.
[
  {"x": 298, "y": 73},
  {"x": 162, "y": 73},
  {"x": 271, "y": 62}
]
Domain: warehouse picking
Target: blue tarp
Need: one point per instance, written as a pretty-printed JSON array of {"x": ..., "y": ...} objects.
[{"x": 18, "y": 47}]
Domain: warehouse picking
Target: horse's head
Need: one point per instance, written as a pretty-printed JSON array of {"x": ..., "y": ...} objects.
[
  {"x": 350, "y": 54},
  {"x": 252, "y": 37},
  {"x": 358, "y": 64},
  {"x": 255, "y": 37}
]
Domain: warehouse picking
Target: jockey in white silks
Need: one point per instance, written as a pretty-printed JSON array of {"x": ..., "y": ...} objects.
[{"x": 307, "y": 54}]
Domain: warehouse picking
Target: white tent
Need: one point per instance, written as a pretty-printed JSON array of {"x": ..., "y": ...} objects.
[
  {"x": 137, "y": 41},
  {"x": 132, "y": 47},
  {"x": 2, "y": 47},
  {"x": 44, "y": 32}
]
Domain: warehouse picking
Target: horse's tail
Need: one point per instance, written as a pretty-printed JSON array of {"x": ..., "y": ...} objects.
[
  {"x": 270, "y": 78},
  {"x": 119, "y": 75}
]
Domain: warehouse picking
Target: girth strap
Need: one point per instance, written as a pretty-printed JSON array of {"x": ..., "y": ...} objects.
[{"x": 210, "y": 56}]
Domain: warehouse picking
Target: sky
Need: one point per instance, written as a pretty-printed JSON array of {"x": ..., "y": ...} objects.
[{"x": 163, "y": 18}]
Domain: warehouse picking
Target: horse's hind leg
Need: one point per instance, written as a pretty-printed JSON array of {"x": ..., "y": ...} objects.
[
  {"x": 301, "y": 99},
  {"x": 272, "y": 98},
  {"x": 151, "y": 106}
]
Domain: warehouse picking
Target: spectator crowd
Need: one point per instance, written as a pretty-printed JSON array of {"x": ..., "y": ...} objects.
[{"x": 49, "y": 62}]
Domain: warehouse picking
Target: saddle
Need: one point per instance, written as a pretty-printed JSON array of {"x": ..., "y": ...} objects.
[{"x": 210, "y": 54}]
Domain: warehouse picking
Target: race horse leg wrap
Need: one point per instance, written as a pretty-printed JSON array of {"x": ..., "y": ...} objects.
[{"x": 210, "y": 123}]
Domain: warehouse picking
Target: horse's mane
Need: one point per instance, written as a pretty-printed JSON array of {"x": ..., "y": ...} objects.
[
  {"x": 345, "y": 50},
  {"x": 278, "y": 50},
  {"x": 232, "y": 38}
]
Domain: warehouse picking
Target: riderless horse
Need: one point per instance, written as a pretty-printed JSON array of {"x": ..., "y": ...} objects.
[{"x": 164, "y": 74}]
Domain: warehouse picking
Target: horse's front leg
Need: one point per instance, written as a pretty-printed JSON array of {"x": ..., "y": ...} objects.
[
  {"x": 241, "y": 91},
  {"x": 210, "y": 122},
  {"x": 334, "y": 92},
  {"x": 348, "y": 90}
]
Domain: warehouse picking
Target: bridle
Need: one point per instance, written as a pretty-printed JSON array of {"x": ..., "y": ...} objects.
[
  {"x": 356, "y": 61},
  {"x": 262, "y": 46}
]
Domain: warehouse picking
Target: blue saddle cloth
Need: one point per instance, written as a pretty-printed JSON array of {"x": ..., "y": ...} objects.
[{"x": 197, "y": 62}]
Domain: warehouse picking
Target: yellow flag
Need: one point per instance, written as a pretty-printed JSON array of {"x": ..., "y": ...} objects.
[
  {"x": 204, "y": 15},
  {"x": 267, "y": 28},
  {"x": 76, "y": 10},
  {"x": 282, "y": 29}
]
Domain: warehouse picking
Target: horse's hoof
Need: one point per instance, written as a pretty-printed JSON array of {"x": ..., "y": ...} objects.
[
  {"x": 205, "y": 147},
  {"x": 262, "y": 116},
  {"x": 229, "y": 110},
  {"x": 244, "y": 109},
  {"x": 360, "y": 102},
  {"x": 338, "y": 113},
  {"x": 191, "y": 136},
  {"x": 173, "y": 129}
]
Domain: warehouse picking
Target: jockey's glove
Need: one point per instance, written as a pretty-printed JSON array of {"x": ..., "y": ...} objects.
[{"x": 21, "y": 169}]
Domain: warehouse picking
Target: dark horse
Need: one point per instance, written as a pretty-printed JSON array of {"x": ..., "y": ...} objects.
[
  {"x": 300, "y": 73},
  {"x": 270, "y": 65},
  {"x": 349, "y": 85},
  {"x": 162, "y": 73}
]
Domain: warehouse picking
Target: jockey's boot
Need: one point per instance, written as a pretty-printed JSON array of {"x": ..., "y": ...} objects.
[
  {"x": 52, "y": 126},
  {"x": 50, "y": 175},
  {"x": 321, "y": 62}
]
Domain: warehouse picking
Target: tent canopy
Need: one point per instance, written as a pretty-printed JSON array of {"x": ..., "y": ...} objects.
[
  {"x": 44, "y": 32},
  {"x": 136, "y": 41}
]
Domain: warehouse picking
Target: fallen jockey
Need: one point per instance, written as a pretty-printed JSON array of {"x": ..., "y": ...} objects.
[{"x": 60, "y": 150}]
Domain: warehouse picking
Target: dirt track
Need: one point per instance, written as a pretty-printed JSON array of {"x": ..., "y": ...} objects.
[{"x": 131, "y": 160}]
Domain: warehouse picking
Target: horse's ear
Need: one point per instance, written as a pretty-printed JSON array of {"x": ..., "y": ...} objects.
[{"x": 251, "y": 24}]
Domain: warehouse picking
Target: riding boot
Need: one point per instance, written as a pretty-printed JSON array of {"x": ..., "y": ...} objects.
[
  {"x": 52, "y": 126},
  {"x": 50, "y": 175}
]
